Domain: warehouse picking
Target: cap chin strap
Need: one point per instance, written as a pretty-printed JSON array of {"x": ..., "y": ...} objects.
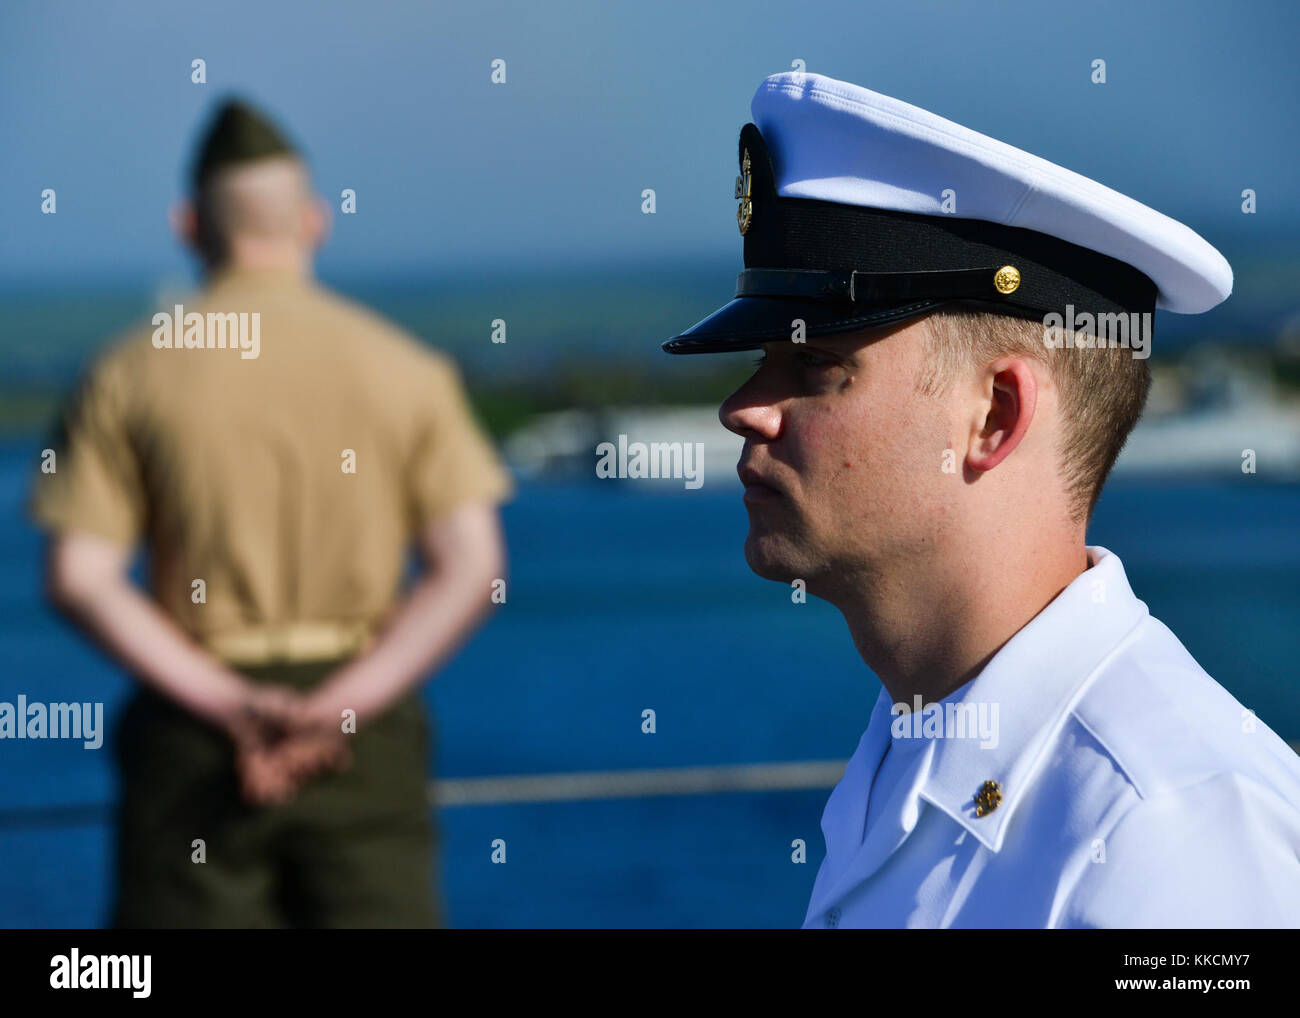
[{"x": 938, "y": 284}]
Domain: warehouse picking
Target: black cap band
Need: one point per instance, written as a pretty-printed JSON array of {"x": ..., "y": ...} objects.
[
  {"x": 861, "y": 254},
  {"x": 871, "y": 286}
]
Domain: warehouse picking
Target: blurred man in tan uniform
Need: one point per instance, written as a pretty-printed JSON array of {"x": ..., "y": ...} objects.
[{"x": 278, "y": 450}]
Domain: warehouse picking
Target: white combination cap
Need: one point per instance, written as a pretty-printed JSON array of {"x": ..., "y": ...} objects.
[{"x": 859, "y": 210}]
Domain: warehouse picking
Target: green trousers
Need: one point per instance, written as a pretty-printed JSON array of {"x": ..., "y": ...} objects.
[{"x": 352, "y": 849}]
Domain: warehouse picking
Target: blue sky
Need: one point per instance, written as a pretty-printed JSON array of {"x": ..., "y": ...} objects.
[{"x": 602, "y": 100}]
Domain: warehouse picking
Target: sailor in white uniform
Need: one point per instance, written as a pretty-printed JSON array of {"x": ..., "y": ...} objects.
[
  {"x": 1132, "y": 791},
  {"x": 955, "y": 336}
]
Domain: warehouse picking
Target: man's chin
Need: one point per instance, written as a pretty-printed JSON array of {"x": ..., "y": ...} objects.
[{"x": 771, "y": 558}]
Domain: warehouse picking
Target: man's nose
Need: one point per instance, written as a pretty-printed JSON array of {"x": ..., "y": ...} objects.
[{"x": 748, "y": 414}]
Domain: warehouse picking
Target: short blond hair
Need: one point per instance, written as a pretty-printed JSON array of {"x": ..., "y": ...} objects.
[{"x": 1103, "y": 389}]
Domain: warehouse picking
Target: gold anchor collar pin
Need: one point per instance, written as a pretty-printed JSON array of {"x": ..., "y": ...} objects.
[{"x": 987, "y": 798}]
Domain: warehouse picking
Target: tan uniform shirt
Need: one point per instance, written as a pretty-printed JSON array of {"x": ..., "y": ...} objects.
[{"x": 289, "y": 474}]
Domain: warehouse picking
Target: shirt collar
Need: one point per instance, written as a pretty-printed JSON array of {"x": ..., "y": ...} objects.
[
  {"x": 1027, "y": 690},
  {"x": 245, "y": 277}
]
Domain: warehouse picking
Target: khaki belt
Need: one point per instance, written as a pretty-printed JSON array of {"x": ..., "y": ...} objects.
[{"x": 290, "y": 643}]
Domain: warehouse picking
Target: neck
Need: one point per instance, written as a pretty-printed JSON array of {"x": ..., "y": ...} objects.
[
  {"x": 929, "y": 632},
  {"x": 257, "y": 258}
]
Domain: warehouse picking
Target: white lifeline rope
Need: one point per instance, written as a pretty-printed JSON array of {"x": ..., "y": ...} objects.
[{"x": 762, "y": 777}]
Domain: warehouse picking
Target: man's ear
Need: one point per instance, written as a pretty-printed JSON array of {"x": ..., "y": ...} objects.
[
  {"x": 318, "y": 221},
  {"x": 1010, "y": 397},
  {"x": 184, "y": 220}
]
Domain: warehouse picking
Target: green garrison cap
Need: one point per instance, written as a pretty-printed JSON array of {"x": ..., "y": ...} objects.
[{"x": 238, "y": 133}]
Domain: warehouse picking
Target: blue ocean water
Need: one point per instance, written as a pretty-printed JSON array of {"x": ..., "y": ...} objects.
[{"x": 621, "y": 599}]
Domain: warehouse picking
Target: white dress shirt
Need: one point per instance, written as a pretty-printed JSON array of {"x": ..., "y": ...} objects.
[{"x": 1131, "y": 790}]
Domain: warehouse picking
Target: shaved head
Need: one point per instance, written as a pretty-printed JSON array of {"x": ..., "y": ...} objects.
[{"x": 269, "y": 201}]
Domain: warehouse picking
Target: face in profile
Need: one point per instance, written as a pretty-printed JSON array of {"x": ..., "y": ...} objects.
[{"x": 842, "y": 456}]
